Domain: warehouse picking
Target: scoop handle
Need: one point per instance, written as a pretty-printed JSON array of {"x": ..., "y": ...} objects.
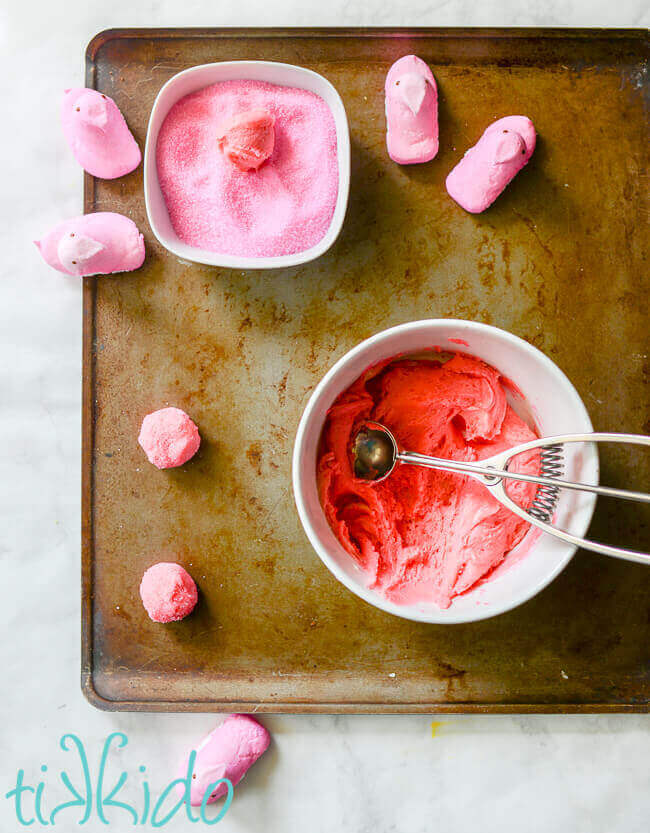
[
  {"x": 500, "y": 494},
  {"x": 492, "y": 474},
  {"x": 494, "y": 471}
]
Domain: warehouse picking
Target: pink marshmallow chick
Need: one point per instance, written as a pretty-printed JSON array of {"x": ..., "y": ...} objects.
[
  {"x": 93, "y": 244},
  {"x": 248, "y": 139},
  {"x": 169, "y": 438},
  {"x": 97, "y": 134},
  {"x": 411, "y": 111},
  {"x": 227, "y": 752},
  {"x": 168, "y": 592},
  {"x": 497, "y": 157}
]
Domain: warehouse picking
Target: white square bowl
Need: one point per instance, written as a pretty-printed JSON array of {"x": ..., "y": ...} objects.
[{"x": 196, "y": 78}]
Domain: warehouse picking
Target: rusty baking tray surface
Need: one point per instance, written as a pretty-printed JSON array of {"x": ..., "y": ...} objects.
[{"x": 558, "y": 260}]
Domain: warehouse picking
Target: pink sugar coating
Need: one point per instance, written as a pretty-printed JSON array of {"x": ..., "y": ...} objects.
[
  {"x": 283, "y": 208},
  {"x": 98, "y": 135},
  {"x": 168, "y": 592},
  {"x": 486, "y": 168},
  {"x": 226, "y": 752},
  {"x": 100, "y": 243},
  {"x": 169, "y": 438}
]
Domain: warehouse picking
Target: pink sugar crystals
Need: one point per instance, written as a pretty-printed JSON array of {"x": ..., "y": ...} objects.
[
  {"x": 249, "y": 168},
  {"x": 168, "y": 592},
  {"x": 169, "y": 438}
]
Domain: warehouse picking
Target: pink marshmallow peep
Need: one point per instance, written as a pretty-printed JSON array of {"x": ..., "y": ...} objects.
[
  {"x": 97, "y": 134},
  {"x": 93, "y": 244},
  {"x": 497, "y": 157},
  {"x": 168, "y": 592},
  {"x": 248, "y": 139},
  {"x": 169, "y": 438},
  {"x": 227, "y": 752},
  {"x": 411, "y": 111}
]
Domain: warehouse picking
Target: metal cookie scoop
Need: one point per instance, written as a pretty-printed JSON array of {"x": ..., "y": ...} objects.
[{"x": 375, "y": 454}]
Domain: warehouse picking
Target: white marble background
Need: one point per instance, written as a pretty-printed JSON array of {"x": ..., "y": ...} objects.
[{"x": 379, "y": 774}]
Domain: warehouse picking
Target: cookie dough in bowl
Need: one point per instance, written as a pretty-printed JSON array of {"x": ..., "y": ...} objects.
[{"x": 497, "y": 388}]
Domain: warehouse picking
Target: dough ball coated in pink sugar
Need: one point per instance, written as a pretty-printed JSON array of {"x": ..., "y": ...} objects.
[
  {"x": 411, "y": 111},
  {"x": 94, "y": 244},
  {"x": 248, "y": 139},
  {"x": 169, "y": 438},
  {"x": 168, "y": 592},
  {"x": 497, "y": 157},
  {"x": 227, "y": 752},
  {"x": 97, "y": 134}
]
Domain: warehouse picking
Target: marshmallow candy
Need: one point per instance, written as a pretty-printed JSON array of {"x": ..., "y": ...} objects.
[
  {"x": 411, "y": 112},
  {"x": 93, "y": 244},
  {"x": 97, "y": 134},
  {"x": 497, "y": 157},
  {"x": 168, "y": 592},
  {"x": 227, "y": 752}
]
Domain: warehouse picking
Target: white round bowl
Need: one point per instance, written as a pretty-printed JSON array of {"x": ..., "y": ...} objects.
[
  {"x": 548, "y": 401},
  {"x": 196, "y": 78}
]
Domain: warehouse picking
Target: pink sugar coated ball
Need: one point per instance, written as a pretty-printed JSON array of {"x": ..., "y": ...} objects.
[
  {"x": 168, "y": 592},
  {"x": 248, "y": 139},
  {"x": 169, "y": 438}
]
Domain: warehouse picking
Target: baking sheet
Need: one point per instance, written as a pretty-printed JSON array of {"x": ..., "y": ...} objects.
[{"x": 559, "y": 260}]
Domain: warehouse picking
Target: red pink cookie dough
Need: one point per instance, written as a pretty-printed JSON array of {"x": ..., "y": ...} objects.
[
  {"x": 497, "y": 157},
  {"x": 97, "y": 134},
  {"x": 411, "y": 111},
  {"x": 169, "y": 438},
  {"x": 227, "y": 752},
  {"x": 168, "y": 592},
  {"x": 94, "y": 244},
  {"x": 424, "y": 535},
  {"x": 248, "y": 138}
]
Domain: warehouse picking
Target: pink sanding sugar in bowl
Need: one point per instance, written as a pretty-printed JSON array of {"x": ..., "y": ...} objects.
[{"x": 284, "y": 207}]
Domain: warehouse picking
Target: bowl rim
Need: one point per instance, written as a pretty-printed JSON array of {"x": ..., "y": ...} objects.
[
  {"x": 204, "y": 256},
  {"x": 371, "y": 596}
]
